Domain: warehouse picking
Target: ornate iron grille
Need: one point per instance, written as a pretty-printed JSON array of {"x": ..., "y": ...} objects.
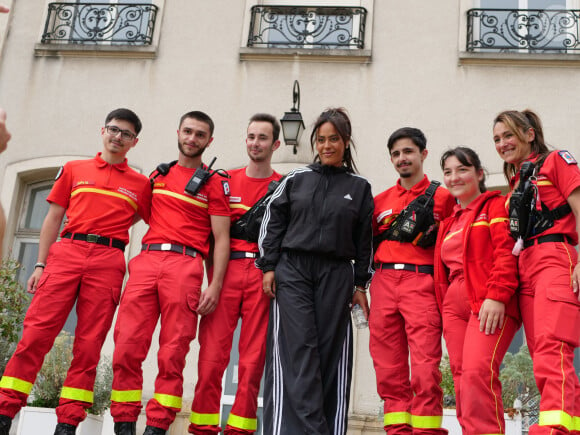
[
  {"x": 532, "y": 30},
  {"x": 100, "y": 23},
  {"x": 307, "y": 27}
]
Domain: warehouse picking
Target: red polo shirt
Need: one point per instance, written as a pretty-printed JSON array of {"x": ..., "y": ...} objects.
[
  {"x": 389, "y": 204},
  {"x": 180, "y": 218},
  {"x": 245, "y": 192},
  {"x": 101, "y": 198}
]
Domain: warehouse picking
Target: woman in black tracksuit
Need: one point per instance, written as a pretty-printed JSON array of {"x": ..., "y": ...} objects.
[{"x": 316, "y": 254}]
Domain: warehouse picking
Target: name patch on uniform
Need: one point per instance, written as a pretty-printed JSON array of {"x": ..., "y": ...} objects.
[
  {"x": 236, "y": 199},
  {"x": 568, "y": 158},
  {"x": 384, "y": 215},
  {"x": 84, "y": 183},
  {"x": 226, "y": 187}
]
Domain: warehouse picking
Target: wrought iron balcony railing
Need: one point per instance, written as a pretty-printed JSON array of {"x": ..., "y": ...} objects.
[
  {"x": 100, "y": 23},
  {"x": 307, "y": 27},
  {"x": 529, "y": 30}
]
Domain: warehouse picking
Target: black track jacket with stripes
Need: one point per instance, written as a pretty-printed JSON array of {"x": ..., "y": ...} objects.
[{"x": 322, "y": 210}]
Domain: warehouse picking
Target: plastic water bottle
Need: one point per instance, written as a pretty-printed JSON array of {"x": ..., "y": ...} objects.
[{"x": 358, "y": 317}]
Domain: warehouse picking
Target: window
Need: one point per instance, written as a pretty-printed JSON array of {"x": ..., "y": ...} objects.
[
  {"x": 30, "y": 217},
  {"x": 321, "y": 30},
  {"x": 307, "y": 27},
  {"x": 126, "y": 22},
  {"x": 523, "y": 26}
]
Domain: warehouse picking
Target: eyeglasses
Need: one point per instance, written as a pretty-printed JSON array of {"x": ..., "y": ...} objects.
[{"x": 125, "y": 134}]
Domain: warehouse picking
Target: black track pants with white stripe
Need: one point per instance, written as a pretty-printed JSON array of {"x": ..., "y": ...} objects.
[{"x": 309, "y": 351}]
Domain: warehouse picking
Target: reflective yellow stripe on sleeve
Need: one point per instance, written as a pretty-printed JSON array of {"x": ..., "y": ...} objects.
[
  {"x": 76, "y": 394},
  {"x": 397, "y": 418},
  {"x": 16, "y": 384},
  {"x": 204, "y": 419},
  {"x": 426, "y": 421},
  {"x": 576, "y": 423},
  {"x": 243, "y": 422},
  {"x": 168, "y": 400},
  {"x": 122, "y": 396},
  {"x": 556, "y": 418}
]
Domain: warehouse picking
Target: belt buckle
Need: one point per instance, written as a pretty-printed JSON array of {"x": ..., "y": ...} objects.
[
  {"x": 165, "y": 247},
  {"x": 92, "y": 238},
  {"x": 398, "y": 266},
  {"x": 250, "y": 254}
]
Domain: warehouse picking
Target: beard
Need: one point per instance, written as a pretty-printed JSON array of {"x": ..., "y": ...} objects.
[
  {"x": 405, "y": 175},
  {"x": 191, "y": 154}
]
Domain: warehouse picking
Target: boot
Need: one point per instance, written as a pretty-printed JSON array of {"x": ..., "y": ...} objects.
[
  {"x": 65, "y": 429},
  {"x": 126, "y": 428},
  {"x": 152, "y": 430},
  {"x": 5, "y": 423}
]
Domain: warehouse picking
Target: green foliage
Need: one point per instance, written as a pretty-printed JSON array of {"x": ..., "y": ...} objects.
[
  {"x": 517, "y": 378},
  {"x": 447, "y": 383},
  {"x": 46, "y": 390},
  {"x": 13, "y": 304},
  {"x": 103, "y": 386}
]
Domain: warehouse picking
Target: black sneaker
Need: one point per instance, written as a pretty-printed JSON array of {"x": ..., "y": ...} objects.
[
  {"x": 152, "y": 430},
  {"x": 65, "y": 429},
  {"x": 5, "y": 423},
  {"x": 126, "y": 428}
]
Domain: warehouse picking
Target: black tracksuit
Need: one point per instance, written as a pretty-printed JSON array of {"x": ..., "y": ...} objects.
[{"x": 317, "y": 236}]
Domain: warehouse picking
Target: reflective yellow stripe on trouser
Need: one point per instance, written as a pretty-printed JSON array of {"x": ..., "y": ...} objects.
[
  {"x": 426, "y": 421},
  {"x": 204, "y": 419},
  {"x": 576, "y": 423},
  {"x": 76, "y": 394},
  {"x": 556, "y": 418},
  {"x": 168, "y": 400},
  {"x": 397, "y": 418},
  {"x": 122, "y": 396},
  {"x": 16, "y": 384},
  {"x": 243, "y": 422}
]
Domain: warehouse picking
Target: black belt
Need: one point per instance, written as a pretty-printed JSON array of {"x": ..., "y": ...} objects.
[
  {"x": 236, "y": 255},
  {"x": 547, "y": 238},
  {"x": 170, "y": 247},
  {"x": 95, "y": 238},
  {"x": 426, "y": 268}
]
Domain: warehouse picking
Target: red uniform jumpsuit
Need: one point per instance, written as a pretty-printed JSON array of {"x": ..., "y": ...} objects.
[
  {"x": 241, "y": 297},
  {"x": 550, "y": 310},
  {"x": 474, "y": 262},
  {"x": 404, "y": 316},
  {"x": 102, "y": 199},
  {"x": 164, "y": 283}
]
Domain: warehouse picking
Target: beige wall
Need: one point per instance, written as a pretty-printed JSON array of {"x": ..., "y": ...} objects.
[{"x": 417, "y": 75}]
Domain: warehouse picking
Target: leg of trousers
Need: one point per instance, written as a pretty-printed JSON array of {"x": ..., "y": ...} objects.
[
  {"x": 161, "y": 284},
  {"x": 405, "y": 318},
  {"x": 551, "y": 314},
  {"x": 241, "y": 297},
  {"x": 475, "y": 360},
  {"x": 309, "y": 359},
  {"x": 93, "y": 274}
]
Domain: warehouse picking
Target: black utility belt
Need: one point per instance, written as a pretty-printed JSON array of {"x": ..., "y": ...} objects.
[
  {"x": 170, "y": 247},
  {"x": 95, "y": 238},
  {"x": 547, "y": 238},
  {"x": 237, "y": 255},
  {"x": 426, "y": 268}
]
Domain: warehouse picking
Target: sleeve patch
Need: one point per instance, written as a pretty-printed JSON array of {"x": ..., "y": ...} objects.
[
  {"x": 226, "y": 187},
  {"x": 568, "y": 158},
  {"x": 59, "y": 173}
]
